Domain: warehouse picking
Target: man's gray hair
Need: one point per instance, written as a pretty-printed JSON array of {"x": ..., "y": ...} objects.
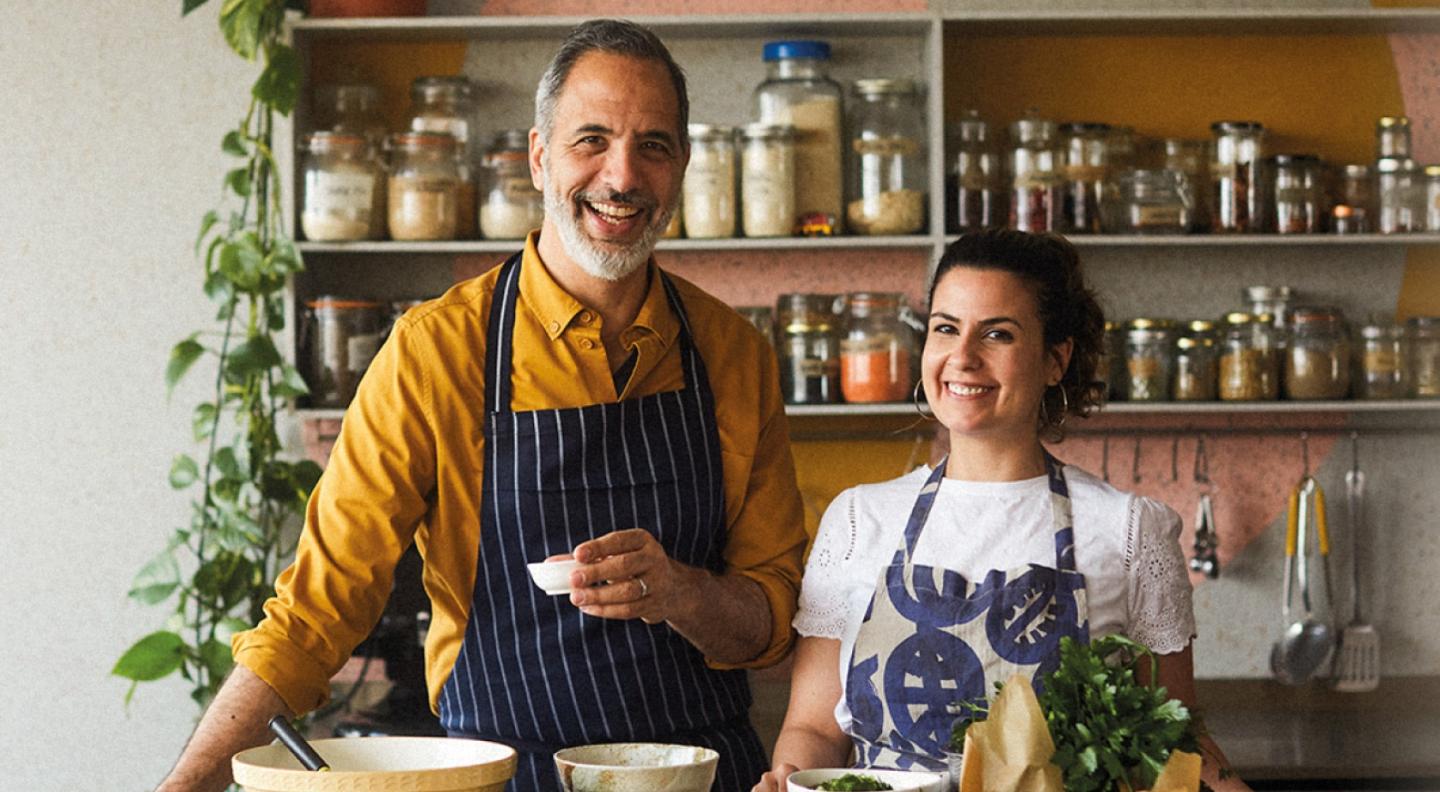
[{"x": 614, "y": 36}]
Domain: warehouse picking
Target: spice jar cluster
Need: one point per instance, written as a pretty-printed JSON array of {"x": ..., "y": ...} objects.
[
  {"x": 856, "y": 348},
  {"x": 1091, "y": 177},
  {"x": 1272, "y": 348},
  {"x": 434, "y": 180},
  {"x": 339, "y": 336}
]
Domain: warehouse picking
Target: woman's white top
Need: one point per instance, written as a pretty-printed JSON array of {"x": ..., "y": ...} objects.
[{"x": 1126, "y": 546}]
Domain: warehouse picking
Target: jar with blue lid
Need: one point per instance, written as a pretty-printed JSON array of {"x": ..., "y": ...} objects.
[{"x": 798, "y": 92}]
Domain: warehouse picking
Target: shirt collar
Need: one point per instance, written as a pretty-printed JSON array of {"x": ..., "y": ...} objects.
[{"x": 556, "y": 309}]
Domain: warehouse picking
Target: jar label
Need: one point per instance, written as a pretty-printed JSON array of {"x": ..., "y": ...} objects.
[
  {"x": 891, "y": 146},
  {"x": 339, "y": 193},
  {"x": 361, "y": 350}
]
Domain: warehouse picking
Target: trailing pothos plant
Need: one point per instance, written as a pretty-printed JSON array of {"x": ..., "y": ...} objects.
[{"x": 219, "y": 569}]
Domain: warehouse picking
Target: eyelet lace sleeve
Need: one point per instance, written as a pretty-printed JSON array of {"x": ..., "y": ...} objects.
[
  {"x": 1161, "y": 614},
  {"x": 824, "y": 588}
]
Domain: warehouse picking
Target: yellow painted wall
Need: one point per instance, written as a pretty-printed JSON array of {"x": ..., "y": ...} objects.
[{"x": 389, "y": 65}]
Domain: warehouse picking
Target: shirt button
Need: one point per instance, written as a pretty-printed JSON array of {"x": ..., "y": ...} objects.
[
  {"x": 554, "y": 327},
  {"x": 586, "y": 316},
  {"x": 586, "y": 343}
]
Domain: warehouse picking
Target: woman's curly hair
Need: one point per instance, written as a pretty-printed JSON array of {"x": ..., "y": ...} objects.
[{"x": 1050, "y": 266}]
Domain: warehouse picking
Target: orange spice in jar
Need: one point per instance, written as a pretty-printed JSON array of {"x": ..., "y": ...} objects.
[{"x": 878, "y": 348}]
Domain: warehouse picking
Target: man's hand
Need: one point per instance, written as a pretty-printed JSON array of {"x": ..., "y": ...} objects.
[{"x": 625, "y": 575}]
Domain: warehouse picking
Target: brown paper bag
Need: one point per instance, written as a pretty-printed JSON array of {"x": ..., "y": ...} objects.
[
  {"x": 1180, "y": 774},
  {"x": 1010, "y": 750}
]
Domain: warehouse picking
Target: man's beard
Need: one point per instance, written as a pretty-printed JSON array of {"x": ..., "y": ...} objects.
[{"x": 598, "y": 260}]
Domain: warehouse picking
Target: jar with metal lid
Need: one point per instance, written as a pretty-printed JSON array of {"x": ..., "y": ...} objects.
[
  {"x": 1110, "y": 368},
  {"x": 1122, "y": 147},
  {"x": 1035, "y": 200},
  {"x": 878, "y": 354},
  {"x": 1197, "y": 363},
  {"x": 1400, "y": 193},
  {"x": 1272, "y": 301},
  {"x": 1432, "y": 198},
  {"x": 1150, "y": 202},
  {"x": 342, "y": 200},
  {"x": 424, "y": 186},
  {"x": 342, "y": 335},
  {"x": 512, "y": 207},
  {"x": 1424, "y": 336},
  {"x": 1149, "y": 359},
  {"x": 979, "y": 200},
  {"x": 1383, "y": 362},
  {"x": 1234, "y": 174},
  {"x": 798, "y": 92},
  {"x": 1317, "y": 357},
  {"x": 1249, "y": 367},
  {"x": 1297, "y": 192},
  {"x": 1392, "y": 137},
  {"x": 762, "y": 318},
  {"x": 1188, "y": 161},
  {"x": 768, "y": 183},
  {"x": 886, "y": 193},
  {"x": 447, "y": 104},
  {"x": 1084, "y": 168},
  {"x": 352, "y": 109},
  {"x": 808, "y": 348},
  {"x": 1355, "y": 205},
  {"x": 710, "y": 183}
]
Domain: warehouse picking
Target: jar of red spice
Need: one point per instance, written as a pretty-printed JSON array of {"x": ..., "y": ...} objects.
[{"x": 878, "y": 355}]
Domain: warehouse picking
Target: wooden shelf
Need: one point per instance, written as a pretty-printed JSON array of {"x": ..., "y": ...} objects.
[
  {"x": 778, "y": 26},
  {"x": 1195, "y": 22}
]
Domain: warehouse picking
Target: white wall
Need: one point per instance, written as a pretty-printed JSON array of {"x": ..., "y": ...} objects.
[{"x": 110, "y": 125}]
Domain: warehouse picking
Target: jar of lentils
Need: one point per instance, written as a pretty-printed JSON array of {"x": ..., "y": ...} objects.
[
  {"x": 1149, "y": 359},
  {"x": 809, "y": 348},
  {"x": 1382, "y": 364},
  {"x": 1249, "y": 369},
  {"x": 1197, "y": 363},
  {"x": 1317, "y": 357},
  {"x": 1424, "y": 336}
]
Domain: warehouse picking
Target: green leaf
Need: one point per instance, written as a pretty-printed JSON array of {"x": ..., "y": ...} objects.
[
  {"x": 285, "y": 258},
  {"x": 227, "y": 462},
  {"x": 254, "y": 356},
  {"x": 183, "y": 472},
  {"x": 216, "y": 657},
  {"x": 226, "y": 578},
  {"x": 275, "y": 314},
  {"x": 234, "y": 144},
  {"x": 157, "y": 580},
  {"x": 155, "y": 656},
  {"x": 190, "y": 5},
  {"x": 307, "y": 475},
  {"x": 202, "y": 421},
  {"x": 238, "y": 180},
  {"x": 240, "y": 21},
  {"x": 206, "y": 223},
  {"x": 279, "y": 84},
  {"x": 291, "y": 384},
  {"x": 240, "y": 262},
  {"x": 182, "y": 356}
]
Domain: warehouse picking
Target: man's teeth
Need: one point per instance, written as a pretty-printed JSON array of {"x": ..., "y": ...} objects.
[
  {"x": 966, "y": 390},
  {"x": 615, "y": 212}
]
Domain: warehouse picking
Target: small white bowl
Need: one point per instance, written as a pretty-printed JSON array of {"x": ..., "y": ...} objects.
[
  {"x": 899, "y": 780},
  {"x": 636, "y": 767},
  {"x": 553, "y": 576}
]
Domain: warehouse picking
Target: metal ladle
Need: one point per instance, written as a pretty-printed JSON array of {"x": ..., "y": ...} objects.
[{"x": 1307, "y": 644}]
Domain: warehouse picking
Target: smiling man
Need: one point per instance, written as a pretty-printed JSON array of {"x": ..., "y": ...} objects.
[{"x": 576, "y": 400}]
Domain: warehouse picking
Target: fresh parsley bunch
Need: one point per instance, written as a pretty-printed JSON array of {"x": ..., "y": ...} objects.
[{"x": 1111, "y": 732}]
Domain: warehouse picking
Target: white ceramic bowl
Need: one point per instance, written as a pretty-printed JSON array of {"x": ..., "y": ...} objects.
[
  {"x": 553, "y": 576},
  {"x": 420, "y": 764},
  {"x": 636, "y": 767},
  {"x": 899, "y": 780}
]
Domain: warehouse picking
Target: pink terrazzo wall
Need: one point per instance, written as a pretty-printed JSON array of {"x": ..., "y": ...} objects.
[{"x": 1417, "y": 64}]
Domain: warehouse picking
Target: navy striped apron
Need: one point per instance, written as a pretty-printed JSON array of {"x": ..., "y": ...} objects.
[
  {"x": 931, "y": 640},
  {"x": 533, "y": 671}
]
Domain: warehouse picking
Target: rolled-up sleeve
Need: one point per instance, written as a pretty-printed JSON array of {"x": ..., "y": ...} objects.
[{"x": 359, "y": 520}]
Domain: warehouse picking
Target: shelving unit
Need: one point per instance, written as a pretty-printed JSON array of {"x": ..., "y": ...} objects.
[{"x": 722, "y": 54}]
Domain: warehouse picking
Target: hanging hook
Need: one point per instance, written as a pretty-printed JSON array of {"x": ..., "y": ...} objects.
[
  {"x": 1305, "y": 452},
  {"x": 1202, "y": 464},
  {"x": 1174, "y": 459},
  {"x": 1105, "y": 458},
  {"x": 1135, "y": 462},
  {"x": 1354, "y": 450}
]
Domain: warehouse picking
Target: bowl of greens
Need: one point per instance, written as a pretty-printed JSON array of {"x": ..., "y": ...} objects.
[{"x": 862, "y": 779}]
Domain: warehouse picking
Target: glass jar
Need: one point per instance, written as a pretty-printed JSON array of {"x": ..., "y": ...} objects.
[
  {"x": 1112, "y": 355},
  {"x": 1392, "y": 137},
  {"x": 1317, "y": 358},
  {"x": 1149, "y": 359},
  {"x": 1271, "y": 301},
  {"x": 1432, "y": 198},
  {"x": 342, "y": 335},
  {"x": 1249, "y": 367},
  {"x": 512, "y": 207},
  {"x": 673, "y": 229},
  {"x": 797, "y": 92},
  {"x": 762, "y": 317},
  {"x": 979, "y": 185},
  {"x": 1383, "y": 362},
  {"x": 1197, "y": 363},
  {"x": 1084, "y": 164},
  {"x": 1150, "y": 202},
  {"x": 1355, "y": 204},
  {"x": 710, "y": 183},
  {"x": 342, "y": 200},
  {"x": 353, "y": 109},
  {"x": 1400, "y": 193},
  {"x": 447, "y": 104},
  {"x": 768, "y": 180},
  {"x": 1423, "y": 333},
  {"x": 1297, "y": 193},
  {"x": 1035, "y": 201},
  {"x": 878, "y": 356},
  {"x": 1122, "y": 147},
  {"x": 1235, "y": 181},
  {"x": 424, "y": 186},
  {"x": 886, "y": 188},
  {"x": 1188, "y": 161},
  {"x": 808, "y": 348}
]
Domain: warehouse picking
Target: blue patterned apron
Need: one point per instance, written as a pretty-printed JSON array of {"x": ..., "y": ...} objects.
[
  {"x": 533, "y": 671},
  {"x": 932, "y": 640}
]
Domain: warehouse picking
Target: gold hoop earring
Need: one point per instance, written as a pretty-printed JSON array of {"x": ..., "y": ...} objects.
[{"x": 915, "y": 399}]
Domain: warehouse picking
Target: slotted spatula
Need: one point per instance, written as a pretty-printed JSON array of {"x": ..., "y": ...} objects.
[{"x": 1357, "y": 669}]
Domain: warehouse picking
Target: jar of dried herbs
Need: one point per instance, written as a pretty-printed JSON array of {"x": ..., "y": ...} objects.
[
  {"x": 1249, "y": 368},
  {"x": 1197, "y": 363},
  {"x": 1317, "y": 358},
  {"x": 1149, "y": 359}
]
